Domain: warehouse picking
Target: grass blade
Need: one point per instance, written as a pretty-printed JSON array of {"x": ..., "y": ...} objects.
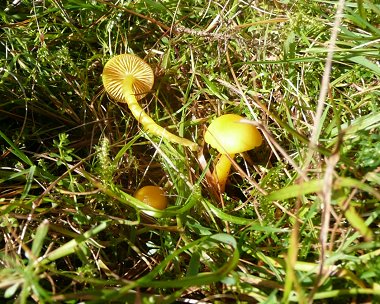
[{"x": 16, "y": 151}]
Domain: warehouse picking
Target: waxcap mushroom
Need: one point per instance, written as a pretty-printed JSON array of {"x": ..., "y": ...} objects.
[
  {"x": 126, "y": 66},
  {"x": 127, "y": 78},
  {"x": 229, "y": 134},
  {"x": 153, "y": 196}
]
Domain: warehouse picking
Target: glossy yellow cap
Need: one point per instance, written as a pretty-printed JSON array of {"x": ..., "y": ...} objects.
[
  {"x": 153, "y": 196},
  {"x": 229, "y": 135}
]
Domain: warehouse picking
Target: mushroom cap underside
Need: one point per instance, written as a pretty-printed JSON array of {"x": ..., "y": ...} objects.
[
  {"x": 230, "y": 135},
  {"x": 127, "y": 67}
]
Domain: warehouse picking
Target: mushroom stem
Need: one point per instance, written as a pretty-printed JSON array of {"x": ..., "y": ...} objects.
[
  {"x": 222, "y": 170},
  {"x": 147, "y": 122}
]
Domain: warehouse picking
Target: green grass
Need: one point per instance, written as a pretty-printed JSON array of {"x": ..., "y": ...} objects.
[{"x": 299, "y": 219}]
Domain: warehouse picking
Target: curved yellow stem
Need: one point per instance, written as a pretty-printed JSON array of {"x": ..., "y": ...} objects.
[
  {"x": 148, "y": 123},
  {"x": 222, "y": 170}
]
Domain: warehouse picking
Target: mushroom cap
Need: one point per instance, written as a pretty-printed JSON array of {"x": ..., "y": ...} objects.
[
  {"x": 229, "y": 135},
  {"x": 153, "y": 196},
  {"x": 124, "y": 66}
]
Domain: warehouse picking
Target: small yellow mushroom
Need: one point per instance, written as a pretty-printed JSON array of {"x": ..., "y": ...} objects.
[
  {"x": 230, "y": 135},
  {"x": 127, "y": 78},
  {"x": 153, "y": 196}
]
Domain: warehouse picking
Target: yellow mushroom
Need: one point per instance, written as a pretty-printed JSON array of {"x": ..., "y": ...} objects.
[
  {"x": 127, "y": 78},
  {"x": 153, "y": 196},
  {"x": 230, "y": 135}
]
